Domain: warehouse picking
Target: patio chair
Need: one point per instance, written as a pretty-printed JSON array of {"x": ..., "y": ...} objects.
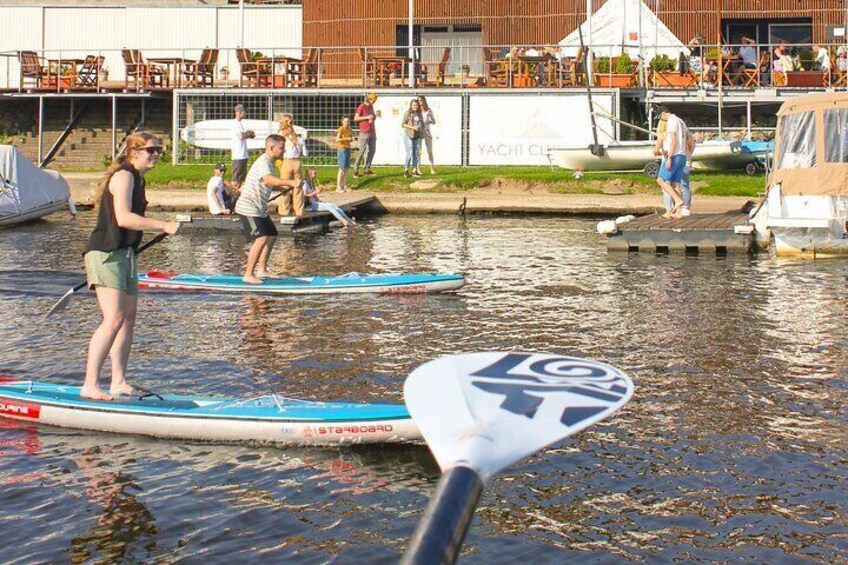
[
  {"x": 141, "y": 74},
  {"x": 87, "y": 76},
  {"x": 369, "y": 69},
  {"x": 437, "y": 78},
  {"x": 752, "y": 76},
  {"x": 496, "y": 70},
  {"x": 32, "y": 70},
  {"x": 202, "y": 72},
  {"x": 257, "y": 74}
]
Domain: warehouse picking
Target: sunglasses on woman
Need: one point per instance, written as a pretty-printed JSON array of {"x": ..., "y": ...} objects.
[{"x": 154, "y": 150}]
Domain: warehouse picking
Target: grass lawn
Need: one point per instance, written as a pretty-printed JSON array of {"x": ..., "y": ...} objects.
[{"x": 460, "y": 179}]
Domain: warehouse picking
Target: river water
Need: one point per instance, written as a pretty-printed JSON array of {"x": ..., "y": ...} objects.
[{"x": 732, "y": 450}]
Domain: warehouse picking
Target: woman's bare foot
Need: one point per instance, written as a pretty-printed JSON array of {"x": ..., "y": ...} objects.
[
  {"x": 121, "y": 389},
  {"x": 94, "y": 393},
  {"x": 250, "y": 279},
  {"x": 432, "y": 171}
]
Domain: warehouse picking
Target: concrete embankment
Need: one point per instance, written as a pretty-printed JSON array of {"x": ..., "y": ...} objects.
[{"x": 475, "y": 201}]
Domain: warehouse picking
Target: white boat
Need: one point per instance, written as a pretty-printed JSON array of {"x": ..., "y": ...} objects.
[
  {"x": 806, "y": 205},
  {"x": 28, "y": 192},
  {"x": 637, "y": 155},
  {"x": 217, "y": 134}
]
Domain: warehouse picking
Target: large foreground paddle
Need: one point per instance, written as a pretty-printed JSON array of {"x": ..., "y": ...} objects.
[
  {"x": 481, "y": 412},
  {"x": 63, "y": 302}
]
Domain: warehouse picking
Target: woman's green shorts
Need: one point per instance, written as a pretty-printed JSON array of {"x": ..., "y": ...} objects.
[{"x": 113, "y": 269}]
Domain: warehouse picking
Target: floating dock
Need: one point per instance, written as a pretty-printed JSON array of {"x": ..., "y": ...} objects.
[
  {"x": 317, "y": 222},
  {"x": 721, "y": 234}
]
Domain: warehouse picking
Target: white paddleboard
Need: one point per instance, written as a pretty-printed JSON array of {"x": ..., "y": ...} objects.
[{"x": 216, "y": 134}]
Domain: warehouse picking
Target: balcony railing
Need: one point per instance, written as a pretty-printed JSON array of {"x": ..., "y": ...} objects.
[{"x": 432, "y": 66}]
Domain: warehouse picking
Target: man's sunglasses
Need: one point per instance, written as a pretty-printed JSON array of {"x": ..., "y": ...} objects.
[{"x": 155, "y": 150}]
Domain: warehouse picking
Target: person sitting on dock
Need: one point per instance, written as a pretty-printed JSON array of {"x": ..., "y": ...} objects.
[
  {"x": 252, "y": 207},
  {"x": 215, "y": 193},
  {"x": 675, "y": 148},
  {"x": 314, "y": 204}
]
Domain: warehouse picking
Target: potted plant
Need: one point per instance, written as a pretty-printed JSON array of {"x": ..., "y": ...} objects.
[
  {"x": 663, "y": 70},
  {"x": 224, "y": 74},
  {"x": 623, "y": 74}
]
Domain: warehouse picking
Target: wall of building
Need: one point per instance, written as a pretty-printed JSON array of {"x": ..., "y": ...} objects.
[
  {"x": 521, "y": 22},
  {"x": 158, "y": 31}
]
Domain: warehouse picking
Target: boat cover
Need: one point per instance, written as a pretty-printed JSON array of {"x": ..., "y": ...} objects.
[{"x": 24, "y": 187}]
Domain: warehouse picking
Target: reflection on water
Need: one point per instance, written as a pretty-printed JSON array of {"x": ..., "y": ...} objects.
[{"x": 732, "y": 449}]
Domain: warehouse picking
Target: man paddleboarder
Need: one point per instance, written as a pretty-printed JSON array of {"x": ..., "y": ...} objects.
[{"x": 252, "y": 208}]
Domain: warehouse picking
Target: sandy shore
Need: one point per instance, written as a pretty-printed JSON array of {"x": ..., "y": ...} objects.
[{"x": 486, "y": 200}]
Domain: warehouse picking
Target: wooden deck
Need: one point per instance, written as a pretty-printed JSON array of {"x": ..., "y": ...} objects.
[
  {"x": 318, "y": 222},
  {"x": 696, "y": 234}
]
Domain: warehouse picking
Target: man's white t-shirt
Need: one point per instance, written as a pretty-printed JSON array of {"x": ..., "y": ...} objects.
[
  {"x": 215, "y": 195},
  {"x": 677, "y": 128},
  {"x": 237, "y": 144}
]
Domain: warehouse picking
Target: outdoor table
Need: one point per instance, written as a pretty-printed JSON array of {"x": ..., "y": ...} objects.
[{"x": 175, "y": 67}]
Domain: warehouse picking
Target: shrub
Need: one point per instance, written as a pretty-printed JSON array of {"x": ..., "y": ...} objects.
[
  {"x": 623, "y": 64},
  {"x": 602, "y": 65},
  {"x": 662, "y": 64}
]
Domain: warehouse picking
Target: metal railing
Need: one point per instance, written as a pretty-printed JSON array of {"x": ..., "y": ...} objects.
[{"x": 436, "y": 66}]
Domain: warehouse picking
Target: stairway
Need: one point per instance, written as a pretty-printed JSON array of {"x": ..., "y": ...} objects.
[{"x": 89, "y": 144}]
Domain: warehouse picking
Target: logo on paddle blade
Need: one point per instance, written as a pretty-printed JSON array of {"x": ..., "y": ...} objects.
[{"x": 526, "y": 380}]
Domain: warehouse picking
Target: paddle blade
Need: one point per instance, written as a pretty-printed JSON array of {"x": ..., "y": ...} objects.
[
  {"x": 63, "y": 302},
  {"x": 489, "y": 410}
]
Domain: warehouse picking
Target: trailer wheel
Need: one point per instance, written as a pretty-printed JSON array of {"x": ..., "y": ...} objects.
[
  {"x": 751, "y": 168},
  {"x": 652, "y": 169}
]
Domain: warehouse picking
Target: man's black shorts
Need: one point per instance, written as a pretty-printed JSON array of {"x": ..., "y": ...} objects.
[
  {"x": 239, "y": 170},
  {"x": 254, "y": 227}
]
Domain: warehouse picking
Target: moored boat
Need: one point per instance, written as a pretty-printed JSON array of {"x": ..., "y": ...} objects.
[
  {"x": 805, "y": 209},
  {"x": 342, "y": 284},
  {"x": 28, "y": 192},
  {"x": 635, "y": 155},
  {"x": 265, "y": 419}
]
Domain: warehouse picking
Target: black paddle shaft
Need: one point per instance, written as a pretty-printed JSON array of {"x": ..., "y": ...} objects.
[{"x": 442, "y": 530}]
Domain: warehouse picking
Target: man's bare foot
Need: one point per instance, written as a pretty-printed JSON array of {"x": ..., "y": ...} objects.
[
  {"x": 250, "y": 279},
  {"x": 122, "y": 389},
  {"x": 266, "y": 275},
  {"x": 94, "y": 393}
]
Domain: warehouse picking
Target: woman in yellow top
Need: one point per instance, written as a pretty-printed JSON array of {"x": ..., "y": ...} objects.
[{"x": 344, "y": 137}]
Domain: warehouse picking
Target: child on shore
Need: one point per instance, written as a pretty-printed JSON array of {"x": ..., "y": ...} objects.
[
  {"x": 215, "y": 194},
  {"x": 344, "y": 137},
  {"x": 313, "y": 204}
]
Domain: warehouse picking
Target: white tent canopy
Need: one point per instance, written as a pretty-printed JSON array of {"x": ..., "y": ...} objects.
[
  {"x": 27, "y": 192},
  {"x": 622, "y": 26}
]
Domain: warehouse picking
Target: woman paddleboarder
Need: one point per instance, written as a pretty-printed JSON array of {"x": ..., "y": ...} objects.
[{"x": 110, "y": 261}]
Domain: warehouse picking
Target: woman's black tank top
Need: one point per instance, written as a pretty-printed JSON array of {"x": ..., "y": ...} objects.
[{"x": 108, "y": 235}]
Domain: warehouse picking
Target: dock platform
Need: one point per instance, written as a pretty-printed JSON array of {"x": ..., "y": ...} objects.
[
  {"x": 317, "y": 222},
  {"x": 721, "y": 234}
]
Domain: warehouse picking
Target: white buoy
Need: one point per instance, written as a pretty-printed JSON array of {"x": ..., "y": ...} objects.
[
  {"x": 624, "y": 219},
  {"x": 607, "y": 227}
]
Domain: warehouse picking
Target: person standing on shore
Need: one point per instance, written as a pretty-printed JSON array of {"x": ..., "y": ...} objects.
[
  {"x": 344, "y": 137},
  {"x": 291, "y": 203},
  {"x": 413, "y": 133},
  {"x": 364, "y": 118},
  {"x": 238, "y": 149},
  {"x": 110, "y": 262},
  {"x": 252, "y": 208},
  {"x": 428, "y": 119}
]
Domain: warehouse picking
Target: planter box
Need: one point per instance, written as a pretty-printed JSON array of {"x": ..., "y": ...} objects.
[
  {"x": 614, "y": 80},
  {"x": 675, "y": 80},
  {"x": 805, "y": 78}
]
